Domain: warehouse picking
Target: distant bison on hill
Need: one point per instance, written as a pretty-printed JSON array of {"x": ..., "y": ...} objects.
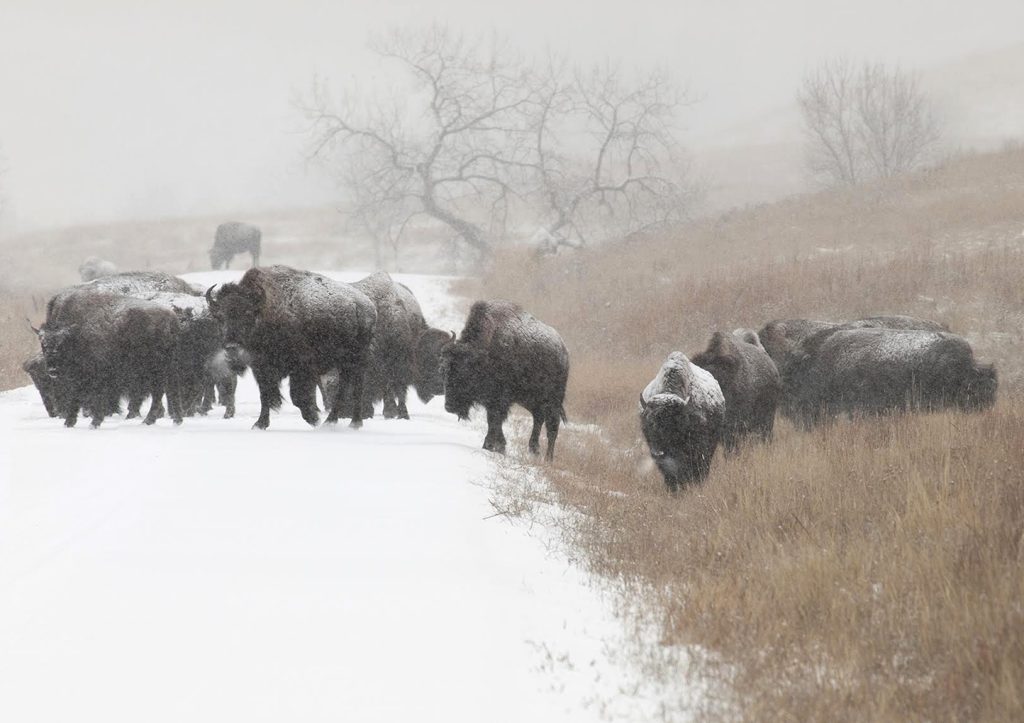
[
  {"x": 235, "y": 238},
  {"x": 299, "y": 325},
  {"x": 749, "y": 381},
  {"x": 682, "y": 415},
  {"x": 95, "y": 267},
  {"x": 505, "y": 356},
  {"x": 877, "y": 370}
]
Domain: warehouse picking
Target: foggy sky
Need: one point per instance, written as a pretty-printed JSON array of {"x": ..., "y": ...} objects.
[{"x": 112, "y": 109}]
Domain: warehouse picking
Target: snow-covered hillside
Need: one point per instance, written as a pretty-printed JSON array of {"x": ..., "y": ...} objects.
[{"x": 214, "y": 573}]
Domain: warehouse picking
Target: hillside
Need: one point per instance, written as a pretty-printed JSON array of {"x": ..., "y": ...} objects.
[
  {"x": 865, "y": 571},
  {"x": 979, "y": 99}
]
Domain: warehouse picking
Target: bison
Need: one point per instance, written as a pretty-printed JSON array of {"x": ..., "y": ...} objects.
[
  {"x": 682, "y": 417},
  {"x": 749, "y": 381},
  {"x": 105, "y": 345},
  {"x": 95, "y": 267},
  {"x": 200, "y": 363},
  {"x": 878, "y": 370},
  {"x": 235, "y": 238},
  {"x": 782, "y": 339},
  {"x": 398, "y": 359},
  {"x": 505, "y": 356},
  {"x": 299, "y": 325}
]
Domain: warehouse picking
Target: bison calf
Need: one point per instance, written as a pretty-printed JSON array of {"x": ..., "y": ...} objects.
[
  {"x": 505, "y": 356},
  {"x": 749, "y": 381},
  {"x": 682, "y": 414}
]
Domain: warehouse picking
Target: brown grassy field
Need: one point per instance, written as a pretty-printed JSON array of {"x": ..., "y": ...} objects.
[{"x": 873, "y": 570}]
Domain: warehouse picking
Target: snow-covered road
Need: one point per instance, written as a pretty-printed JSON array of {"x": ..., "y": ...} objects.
[{"x": 214, "y": 573}]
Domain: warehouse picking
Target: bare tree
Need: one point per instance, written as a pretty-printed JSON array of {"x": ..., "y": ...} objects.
[
  {"x": 607, "y": 151},
  {"x": 864, "y": 122},
  {"x": 449, "y": 146},
  {"x": 476, "y": 134}
]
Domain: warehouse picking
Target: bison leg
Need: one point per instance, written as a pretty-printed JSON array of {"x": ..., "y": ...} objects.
[
  {"x": 156, "y": 407},
  {"x": 356, "y": 400},
  {"x": 303, "y": 393},
  {"x": 176, "y": 403},
  {"x": 538, "y": 420},
  {"x": 209, "y": 396},
  {"x": 553, "y": 421},
  {"x": 400, "y": 395},
  {"x": 390, "y": 402},
  {"x": 71, "y": 415},
  {"x": 495, "y": 439},
  {"x": 135, "y": 405},
  {"x": 226, "y": 388},
  {"x": 270, "y": 393}
]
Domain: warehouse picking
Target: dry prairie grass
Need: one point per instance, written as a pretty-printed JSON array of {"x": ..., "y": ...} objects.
[{"x": 873, "y": 570}]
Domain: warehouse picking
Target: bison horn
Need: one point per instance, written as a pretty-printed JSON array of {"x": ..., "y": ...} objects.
[
  {"x": 453, "y": 336},
  {"x": 209, "y": 296},
  {"x": 35, "y": 331},
  {"x": 643, "y": 403}
]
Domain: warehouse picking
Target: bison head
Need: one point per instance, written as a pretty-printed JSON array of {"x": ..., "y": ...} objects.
[
  {"x": 465, "y": 383},
  {"x": 216, "y": 258},
  {"x": 721, "y": 359},
  {"x": 58, "y": 346},
  {"x": 978, "y": 391},
  {"x": 427, "y": 377},
  {"x": 673, "y": 429},
  {"x": 238, "y": 310}
]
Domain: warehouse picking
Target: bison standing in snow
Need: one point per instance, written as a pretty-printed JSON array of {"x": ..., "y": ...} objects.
[
  {"x": 235, "y": 238},
  {"x": 299, "y": 325},
  {"x": 402, "y": 354},
  {"x": 505, "y": 356},
  {"x": 749, "y": 381},
  {"x": 103, "y": 346},
  {"x": 200, "y": 363},
  {"x": 682, "y": 415},
  {"x": 877, "y": 370}
]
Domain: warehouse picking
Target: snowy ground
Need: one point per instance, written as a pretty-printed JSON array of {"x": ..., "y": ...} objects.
[{"x": 214, "y": 573}]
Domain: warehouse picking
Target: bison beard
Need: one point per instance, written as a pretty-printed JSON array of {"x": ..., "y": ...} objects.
[
  {"x": 299, "y": 325},
  {"x": 505, "y": 356}
]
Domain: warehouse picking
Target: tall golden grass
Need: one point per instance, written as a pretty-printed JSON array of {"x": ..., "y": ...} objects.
[{"x": 872, "y": 570}]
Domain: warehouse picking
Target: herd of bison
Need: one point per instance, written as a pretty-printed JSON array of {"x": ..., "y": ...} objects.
[{"x": 135, "y": 335}]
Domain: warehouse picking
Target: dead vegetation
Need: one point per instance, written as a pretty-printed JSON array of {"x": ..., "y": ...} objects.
[{"x": 867, "y": 571}]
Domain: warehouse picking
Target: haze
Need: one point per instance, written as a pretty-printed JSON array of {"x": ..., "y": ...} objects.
[{"x": 112, "y": 110}]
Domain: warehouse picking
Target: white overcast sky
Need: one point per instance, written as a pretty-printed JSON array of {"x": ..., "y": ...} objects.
[{"x": 113, "y": 109}]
